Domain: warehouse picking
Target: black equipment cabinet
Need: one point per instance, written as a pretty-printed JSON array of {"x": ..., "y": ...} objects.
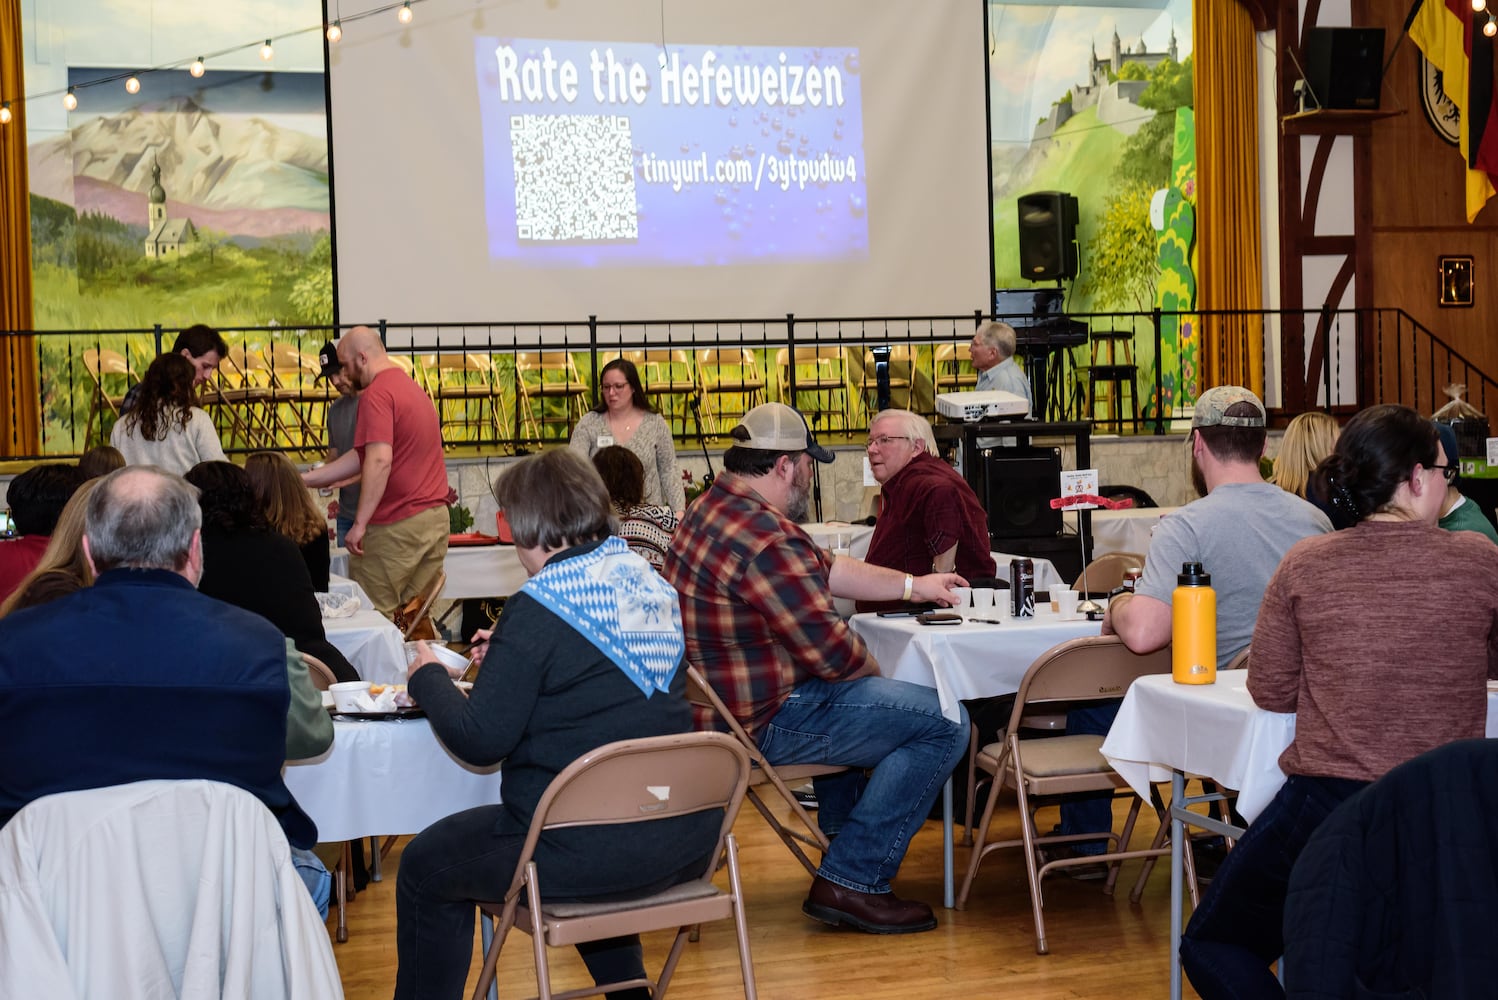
[{"x": 1015, "y": 499}]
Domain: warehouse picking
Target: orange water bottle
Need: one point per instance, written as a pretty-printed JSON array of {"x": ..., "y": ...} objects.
[{"x": 1193, "y": 627}]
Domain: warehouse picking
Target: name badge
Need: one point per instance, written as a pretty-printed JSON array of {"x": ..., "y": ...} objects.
[{"x": 605, "y": 440}]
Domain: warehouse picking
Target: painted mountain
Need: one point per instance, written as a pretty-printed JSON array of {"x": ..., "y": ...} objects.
[{"x": 240, "y": 174}]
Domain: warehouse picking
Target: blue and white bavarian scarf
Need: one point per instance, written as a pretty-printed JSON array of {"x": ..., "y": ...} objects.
[{"x": 623, "y": 607}]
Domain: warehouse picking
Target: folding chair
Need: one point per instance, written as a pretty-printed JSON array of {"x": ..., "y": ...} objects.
[
  {"x": 631, "y": 781},
  {"x": 105, "y": 365},
  {"x": 1090, "y": 669},
  {"x": 699, "y": 692},
  {"x": 410, "y": 619},
  {"x": 1106, "y": 572},
  {"x": 729, "y": 371},
  {"x": 820, "y": 372},
  {"x": 954, "y": 368}
]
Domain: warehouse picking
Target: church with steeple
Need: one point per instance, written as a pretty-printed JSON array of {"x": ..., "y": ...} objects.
[{"x": 167, "y": 239}]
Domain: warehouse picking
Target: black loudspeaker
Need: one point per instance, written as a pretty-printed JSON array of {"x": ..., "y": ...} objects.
[
  {"x": 1047, "y": 235},
  {"x": 1018, "y": 484},
  {"x": 1345, "y": 66}
]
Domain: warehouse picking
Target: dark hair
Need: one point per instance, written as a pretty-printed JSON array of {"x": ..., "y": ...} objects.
[
  {"x": 554, "y": 500},
  {"x": 100, "y": 461},
  {"x": 623, "y": 475},
  {"x": 1379, "y": 449},
  {"x": 1236, "y": 444},
  {"x": 38, "y": 495},
  {"x": 165, "y": 397},
  {"x": 198, "y": 340},
  {"x": 743, "y": 461},
  {"x": 226, "y": 497},
  {"x": 632, "y": 376}
]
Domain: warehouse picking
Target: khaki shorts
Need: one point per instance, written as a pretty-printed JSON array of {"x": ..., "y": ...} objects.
[{"x": 401, "y": 559}]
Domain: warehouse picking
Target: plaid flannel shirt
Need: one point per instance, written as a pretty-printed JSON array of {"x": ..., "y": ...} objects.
[{"x": 755, "y": 604}]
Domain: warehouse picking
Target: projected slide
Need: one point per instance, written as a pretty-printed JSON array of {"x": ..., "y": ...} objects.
[{"x": 599, "y": 153}]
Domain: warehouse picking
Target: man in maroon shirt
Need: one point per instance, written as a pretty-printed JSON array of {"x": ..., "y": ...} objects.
[
  {"x": 932, "y": 521},
  {"x": 36, "y": 497},
  {"x": 399, "y": 537}
]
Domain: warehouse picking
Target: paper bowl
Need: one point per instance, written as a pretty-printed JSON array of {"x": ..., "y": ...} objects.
[{"x": 453, "y": 662}]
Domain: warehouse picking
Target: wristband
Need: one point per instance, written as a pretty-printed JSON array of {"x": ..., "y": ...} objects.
[{"x": 909, "y": 587}]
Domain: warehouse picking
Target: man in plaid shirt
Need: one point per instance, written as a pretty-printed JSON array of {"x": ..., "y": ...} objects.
[{"x": 756, "y": 601}]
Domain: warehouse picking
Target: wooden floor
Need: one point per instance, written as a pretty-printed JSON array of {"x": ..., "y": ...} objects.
[{"x": 1101, "y": 947}]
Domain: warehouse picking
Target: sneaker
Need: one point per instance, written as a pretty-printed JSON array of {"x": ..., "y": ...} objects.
[{"x": 806, "y": 795}]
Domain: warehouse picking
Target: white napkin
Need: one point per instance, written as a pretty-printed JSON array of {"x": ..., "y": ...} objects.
[
  {"x": 338, "y": 605},
  {"x": 383, "y": 702}
]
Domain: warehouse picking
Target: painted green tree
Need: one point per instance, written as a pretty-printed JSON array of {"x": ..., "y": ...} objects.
[
  {"x": 1147, "y": 155},
  {"x": 1122, "y": 264}
]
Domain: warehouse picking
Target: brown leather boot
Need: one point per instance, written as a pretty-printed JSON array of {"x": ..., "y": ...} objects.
[{"x": 870, "y": 912}]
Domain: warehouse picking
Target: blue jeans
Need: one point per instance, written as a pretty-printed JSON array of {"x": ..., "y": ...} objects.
[
  {"x": 1238, "y": 929},
  {"x": 314, "y": 875},
  {"x": 873, "y": 722},
  {"x": 344, "y": 523},
  {"x": 1090, "y": 812},
  {"x": 442, "y": 871}
]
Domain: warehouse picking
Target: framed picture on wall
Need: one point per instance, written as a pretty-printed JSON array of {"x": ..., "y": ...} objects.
[{"x": 1455, "y": 275}]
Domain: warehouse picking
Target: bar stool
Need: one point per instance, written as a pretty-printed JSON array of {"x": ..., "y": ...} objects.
[{"x": 1108, "y": 377}]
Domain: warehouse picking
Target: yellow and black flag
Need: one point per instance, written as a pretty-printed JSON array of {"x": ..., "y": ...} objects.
[{"x": 1445, "y": 31}]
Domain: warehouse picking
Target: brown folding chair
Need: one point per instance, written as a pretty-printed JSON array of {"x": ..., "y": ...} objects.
[
  {"x": 1106, "y": 572},
  {"x": 616, "y": 785},
  {"x": 322, "y": 675},
  {"x": 417, "y": 612},
  {"x": 699, "y": 692},
  {"x": 1090, "y": 669}
]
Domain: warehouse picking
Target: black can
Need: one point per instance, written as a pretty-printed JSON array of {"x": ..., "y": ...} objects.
[{"x": 1022, "y": 588}]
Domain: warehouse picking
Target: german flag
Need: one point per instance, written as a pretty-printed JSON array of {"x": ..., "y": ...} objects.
[{"x": 1444, "y": 32}]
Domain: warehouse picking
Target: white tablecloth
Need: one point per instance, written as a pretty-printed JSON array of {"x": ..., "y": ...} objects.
[
  {"x": 1212, "y": 730},
  {"x": 472, "y": 571},
  {"x": 382, "y": 778},
  {"x": 1126, "y": 530},
  {"x": 372, "y": 644},
  {"x": 343, "y": 585},
  {"x": 971, "y": 660}
]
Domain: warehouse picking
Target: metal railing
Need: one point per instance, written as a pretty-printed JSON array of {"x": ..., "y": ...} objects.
[{"x": 505, "y": 386}]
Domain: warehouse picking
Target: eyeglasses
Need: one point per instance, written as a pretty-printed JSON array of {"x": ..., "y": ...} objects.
[
  {"x": 613, "y": 386},
  {"x": 1447, "y": 471},
  {"x": 883, "y": 440}
]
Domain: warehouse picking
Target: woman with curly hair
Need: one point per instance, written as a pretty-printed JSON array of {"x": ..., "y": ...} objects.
[
  {"x": 164, "y": 428},
  {"x": 288, "y": 508},
  {"x": 248, "y": 565}
]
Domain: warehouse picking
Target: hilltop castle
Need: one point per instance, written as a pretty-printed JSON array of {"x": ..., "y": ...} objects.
[
  {"x": 167, "y": 239},
  {"x": 1116, "y": 100}
]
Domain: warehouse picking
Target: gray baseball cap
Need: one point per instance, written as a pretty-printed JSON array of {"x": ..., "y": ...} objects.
[
  {"x": 1212, "y": 408},
  {"x": 777, "y": 427}
]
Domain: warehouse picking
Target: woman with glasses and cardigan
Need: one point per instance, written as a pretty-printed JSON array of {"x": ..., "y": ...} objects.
[
  {"x": 625, "y": 417},
  {"x": 1380, "y": 639}
]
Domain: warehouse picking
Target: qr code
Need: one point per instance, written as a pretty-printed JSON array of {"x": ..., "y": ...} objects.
[{"x": 574, "y": 177}]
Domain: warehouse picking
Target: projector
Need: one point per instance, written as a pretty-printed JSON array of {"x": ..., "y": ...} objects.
[{"x": 969, "y": 406}]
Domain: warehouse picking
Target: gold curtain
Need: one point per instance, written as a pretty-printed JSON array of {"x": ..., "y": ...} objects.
[
  {"x": 1225, "y": 91},
  {"x": 20, "y": 404}
]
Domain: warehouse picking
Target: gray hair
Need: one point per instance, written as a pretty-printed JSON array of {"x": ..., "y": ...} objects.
[
  {"x": 554, "y": 500},
  {"x": 912, "y": 425},
  {"x": 999, "y": 336},
  {"x": 141, "y": 517}
]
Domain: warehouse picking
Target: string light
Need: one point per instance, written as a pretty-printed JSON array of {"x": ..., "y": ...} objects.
[
  {"x": 267, "y": 51},
  {"x": 1478, "y": 6},
  {"x": 70, "y": 100},
  {"x": 4, "y": 112},
  {"x": 404, "y": 15},
  {"x": 1491, "y": 28},
  {"x": 335, "y": 32},
  {"x": 197, "y": 67},
  {"x": 132, "y": 85}
]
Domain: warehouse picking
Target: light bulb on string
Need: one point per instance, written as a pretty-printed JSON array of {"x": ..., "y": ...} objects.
[
  {"x": 405, "y": 14},
  {"x": 197, "y": 67},
  {"x": 4, "y": 112},
  {"x": 1491, "y": 28},
  {"x": 335, "y": 32},
  {"x": 1478, "y": 6},
  {"x": 132, "y": 85},
  {"x": 70, "y": 100},
  {"x": 267, "y": 51}
]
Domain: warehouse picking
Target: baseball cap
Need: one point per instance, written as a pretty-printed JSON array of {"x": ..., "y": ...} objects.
[
  {"x": 777, "y": 427},
  {"x": 1212, "y": 408},
  {"x": 1448, "y": 442},
  {"x": 328, "y": 358}
]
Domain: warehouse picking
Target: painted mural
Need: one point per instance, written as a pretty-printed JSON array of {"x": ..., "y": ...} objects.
[{"x": 1086, "y": 99}]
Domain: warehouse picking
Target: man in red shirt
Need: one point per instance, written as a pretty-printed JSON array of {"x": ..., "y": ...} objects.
[
  {"x": 399, "y": 537},
  {"x": 36, "y": 498}
]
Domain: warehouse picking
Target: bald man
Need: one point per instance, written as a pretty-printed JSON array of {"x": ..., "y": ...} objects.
[{"x": 399, "y": 536}]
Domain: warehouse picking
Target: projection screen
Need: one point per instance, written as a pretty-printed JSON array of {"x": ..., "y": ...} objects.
[{"x": 547, "y": 160}]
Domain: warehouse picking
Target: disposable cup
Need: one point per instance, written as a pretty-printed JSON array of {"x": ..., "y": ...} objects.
[{"x": 346, "y": 694}]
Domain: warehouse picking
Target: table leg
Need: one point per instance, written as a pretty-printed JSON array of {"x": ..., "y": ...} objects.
[
  {"x": 1177, "y": 838},
  {"x": 948, "y": 894},
  {"x": 375, "y": 875}
]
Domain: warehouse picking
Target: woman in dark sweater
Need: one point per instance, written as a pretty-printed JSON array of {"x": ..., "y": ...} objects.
[
  {"x": 248, "y": 565},
  {"x": 288, "y": 508},
  {"x": 545, "y": 696}
]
